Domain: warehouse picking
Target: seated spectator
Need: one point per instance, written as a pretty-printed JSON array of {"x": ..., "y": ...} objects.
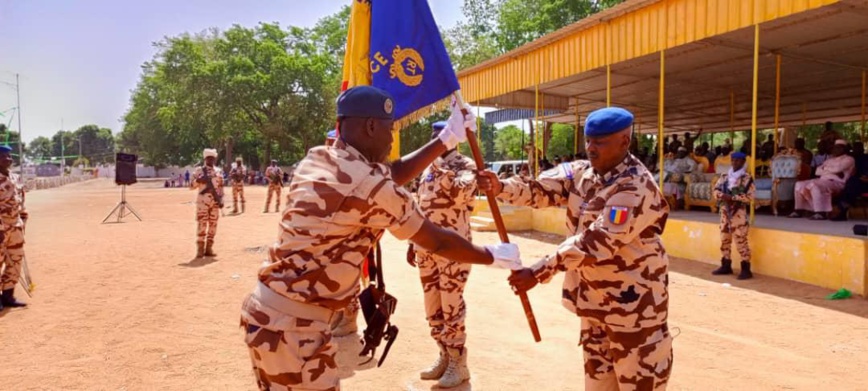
[
  {"x": 807, "y": 158},
  {"x": 768, "y": 147},
  {"x": 829, "y": 134},
  {"x": 855, "y": 186},
  {"x": 823, "y": 148},
  {"x": 815, "y": 195}
]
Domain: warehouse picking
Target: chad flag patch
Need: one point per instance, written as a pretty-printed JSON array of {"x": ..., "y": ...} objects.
[{"x": 618, "y": 214}]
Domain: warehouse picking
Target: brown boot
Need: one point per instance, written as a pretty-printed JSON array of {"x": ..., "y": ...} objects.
[
  {"x": 436, "y": 370},
  {"x": 242, "y": 206},
  {"x": 456, "y": 371},
  {"x": 200, "y": 250},
  {"x": 209, "y": 251}
]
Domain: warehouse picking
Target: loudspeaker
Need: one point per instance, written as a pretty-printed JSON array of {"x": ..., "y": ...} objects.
[{"x": 125, "y": 168}]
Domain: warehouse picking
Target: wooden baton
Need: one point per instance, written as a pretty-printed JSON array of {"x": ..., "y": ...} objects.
[{"x": 498, "y": 220}]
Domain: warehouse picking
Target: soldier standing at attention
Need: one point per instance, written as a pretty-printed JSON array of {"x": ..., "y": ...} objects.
[
  {"x": 237, "y": 175},
  {"x": 734, "y": 190},
  {"x": 616, "y": 266},
  {"x": 341, "y": 200},
  {"x": 274, "y": 176},
  {"x": 209, "y": 201},
  {"x": 446, "y": 195},
  {"x": 12, "y": 218}
]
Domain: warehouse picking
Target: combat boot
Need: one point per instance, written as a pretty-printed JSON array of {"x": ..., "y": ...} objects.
[
  {"x": 725, "y": 267},
  {"x": 8, "y": 299},
  {"x": 346, "y": 323},
  {"x": 242, "y": 206},
  {"x": 209, "y": 251},
  {"x": 745, "y": 271},
  {"x": 200, "y": 250},
  {"x": 457, "y": 371},
  {"x": 436, "y": 370},
  {"x": 235, "y": 208},
  {"x": 266, "y": 209}
]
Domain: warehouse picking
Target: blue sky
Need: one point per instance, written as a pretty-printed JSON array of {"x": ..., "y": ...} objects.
[{"x": 78, "y": 60}]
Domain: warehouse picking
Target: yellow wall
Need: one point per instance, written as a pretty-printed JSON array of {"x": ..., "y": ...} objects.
[{"x": 831, "y": 262}]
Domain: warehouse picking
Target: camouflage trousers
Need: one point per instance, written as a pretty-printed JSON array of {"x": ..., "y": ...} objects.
[
  {"x": 618, "y": 359},
  {"x": 443, "y": 284},
  {"x": 736, "y": 226},
  {"x": 207, "y": 214},
  {"x": 273, "y": 188},
  {"x": 237, "y": 191},
  {"x": 292, "y": 354},
  {"x": 13, "y": 254}
]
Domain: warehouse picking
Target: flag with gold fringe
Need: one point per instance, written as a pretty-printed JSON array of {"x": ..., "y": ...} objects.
[{"x": 404, "y": 55}]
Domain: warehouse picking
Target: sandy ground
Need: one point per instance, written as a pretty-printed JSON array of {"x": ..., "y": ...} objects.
[{"x": 126, "y": 307}]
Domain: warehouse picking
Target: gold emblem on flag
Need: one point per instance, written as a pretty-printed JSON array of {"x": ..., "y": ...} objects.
[{"x": 407, "y": 65}]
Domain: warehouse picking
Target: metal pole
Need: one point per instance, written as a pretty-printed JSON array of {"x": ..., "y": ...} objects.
[
  {"x": 20, "y": 133},
  {"x": 753, "y": 112},
  {"x": 660, "y": 110},
  {"x": 576, "y": 132},
  {"x": 732, "y": 118},
  {"x": 864, "y": 76},
  {"x": 608, "y": 85},
  {"x": 777, "y": 100}
]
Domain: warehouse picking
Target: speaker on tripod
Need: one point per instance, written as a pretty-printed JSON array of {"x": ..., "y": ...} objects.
[
  {"x": 125, "y": 168},
  {"x": 125, "y": 174}
]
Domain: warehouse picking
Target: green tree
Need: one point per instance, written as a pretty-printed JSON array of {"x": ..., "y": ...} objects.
[
  {"x": 508, "y": 143},
  {"x": 40, "y": 148},
  {"x": 561, "y": 142}
]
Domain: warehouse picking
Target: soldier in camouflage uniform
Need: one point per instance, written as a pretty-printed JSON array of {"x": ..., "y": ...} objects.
[
  {"x": 341, "y": 200},
  {"x": 446, "y": 195},
  {"x": 616, "y": 266},
  {"x": 237, "y": 175},
  {"x": 12, "y": 218},
  {"x": 734, "y": 191},
  {"x": 207, "y": 205},
  {"x": 274, "y": 176}
]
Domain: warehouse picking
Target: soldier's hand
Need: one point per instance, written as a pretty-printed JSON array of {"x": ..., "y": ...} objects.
[
  {"x": 24, "y": 215},
  {"x": 505, "y": 255},
  {"x": 411, "y": 256},
  {"x": 455, "y": 131},
  {"x": 488, "y": 181},
  {"x": 522, "y": 281}
]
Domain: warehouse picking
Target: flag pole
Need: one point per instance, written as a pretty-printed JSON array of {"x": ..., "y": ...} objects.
[{"x": 498, "y": 219}]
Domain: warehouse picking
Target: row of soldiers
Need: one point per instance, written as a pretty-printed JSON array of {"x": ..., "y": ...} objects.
[
  {"x": 342, "y": 197},
  {"x": 208, "y": 180}
]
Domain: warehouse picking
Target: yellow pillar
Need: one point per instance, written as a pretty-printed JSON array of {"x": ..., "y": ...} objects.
[
  {"x": 577, "y": 130},
  {"x": 864, "y": 77},
  {"x": 753, "y": 111},
  {"x": 732, "y": 118},
  {"x": 777, "y": 99},
  {"x": 660, "y": 110},
  {"x": 395, "y": 153},
  {"x": 534, "y": 130},
  {"x": 608, "y": 85}
]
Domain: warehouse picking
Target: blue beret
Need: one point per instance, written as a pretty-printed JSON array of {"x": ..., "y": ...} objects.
[
  {"x": 332, "y": 134},
  {"x": 366, "y": 102},
  {"x": 439, "y": 125},
  {"x": 738, "y": 155},
  {"x": 5, "y": 149},
  {"x": 604, "y": 122}
]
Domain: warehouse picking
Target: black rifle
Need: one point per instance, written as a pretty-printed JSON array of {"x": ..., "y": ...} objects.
[
  {"x": 377, "y": 306},
  {"x": 209, "y": 187}
]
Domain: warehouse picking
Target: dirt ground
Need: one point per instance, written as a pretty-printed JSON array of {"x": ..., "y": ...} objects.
[{"x": 126, "y": 307}]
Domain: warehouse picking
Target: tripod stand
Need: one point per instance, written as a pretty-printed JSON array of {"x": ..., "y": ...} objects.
[{"x": 122, "y": 207}]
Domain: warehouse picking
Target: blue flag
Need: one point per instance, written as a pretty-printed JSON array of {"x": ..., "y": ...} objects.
[{"x": 408, "y": 58}]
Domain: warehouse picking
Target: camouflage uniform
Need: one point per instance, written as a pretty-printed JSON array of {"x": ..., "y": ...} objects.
[
  {"x": 616, "y": 268},
  {"x": 207, "y": 208},
  {"x": 339, "y": 205},
  {"x": 734, "y": 216},
  {"x": 237, "y": 175},
  {"x": 274, "y": 175},
  {"x": 446, "y": 195},
  {"x": 11, "y": 209}
]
